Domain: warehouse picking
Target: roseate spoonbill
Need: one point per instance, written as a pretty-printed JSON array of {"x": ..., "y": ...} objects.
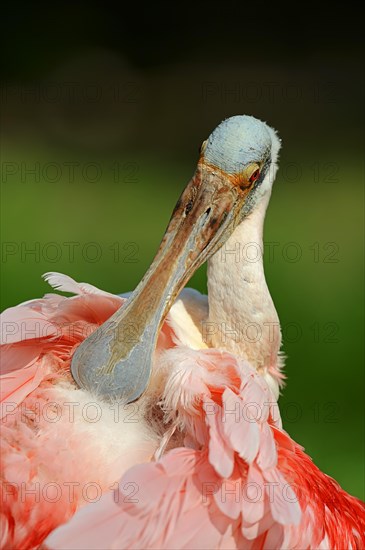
[{"x": 156, "y": 425}]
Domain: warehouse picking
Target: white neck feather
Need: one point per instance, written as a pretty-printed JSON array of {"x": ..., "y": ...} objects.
[{"x": 242, "y": 316}]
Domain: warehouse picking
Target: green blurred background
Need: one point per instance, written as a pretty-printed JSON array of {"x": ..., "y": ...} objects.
[{"x": 103, "y": 112}]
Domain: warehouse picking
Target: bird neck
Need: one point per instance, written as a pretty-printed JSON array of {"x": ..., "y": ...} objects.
[{"x": 242, "y": 316}]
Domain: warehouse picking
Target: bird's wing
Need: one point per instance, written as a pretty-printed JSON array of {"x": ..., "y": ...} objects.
[
  {"x": 239, "y": 482},
  {"x": 224, "y": 489},
  {"x": 25, "y": 330},
  {"x": 39, "y": 336},
  {"x": 21, "y": 372}
]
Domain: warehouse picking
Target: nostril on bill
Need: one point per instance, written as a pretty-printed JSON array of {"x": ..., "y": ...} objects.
[{"x": 188, "y": 207}]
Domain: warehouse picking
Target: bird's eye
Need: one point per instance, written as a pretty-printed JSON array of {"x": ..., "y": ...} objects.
[{"x": 255, "y": 175}]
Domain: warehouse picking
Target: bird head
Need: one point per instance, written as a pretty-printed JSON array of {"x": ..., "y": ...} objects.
[
  {"x": 245, "y": 150},
  {"x": 236, "y": 169}
]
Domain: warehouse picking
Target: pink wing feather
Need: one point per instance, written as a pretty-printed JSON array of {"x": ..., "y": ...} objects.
[
  {"x": 208, "y": 495},
  {"x": 239, "y": 481},
  {"x": 46, "y": 327}
]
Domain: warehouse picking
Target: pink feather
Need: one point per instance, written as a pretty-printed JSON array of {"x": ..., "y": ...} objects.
[{"x": 228, "y": 475}]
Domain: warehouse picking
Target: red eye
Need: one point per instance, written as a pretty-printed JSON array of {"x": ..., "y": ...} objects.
[{"x": 255, "y": 175}]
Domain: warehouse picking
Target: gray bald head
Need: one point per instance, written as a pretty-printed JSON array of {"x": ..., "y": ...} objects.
[{"x": 239, "y": 141}]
